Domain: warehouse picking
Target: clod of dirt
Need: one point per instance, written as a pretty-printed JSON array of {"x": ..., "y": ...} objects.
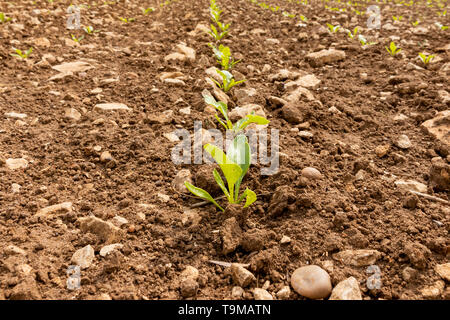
[
  {"x": 292, "y": 113},
  {"x": 418, "y": 254},
  {"x": 440, "y": 175},
  {"x": 182, "y": 176},
  {"x": 346, "y": 290},
  {"x": 83, "y": 257},
  {"x": 237, "y": 211},
  {"x": 231, "y": 234},
  {"x": 317, "y": 59},
  {"x": 204, "y": 179},
  {"x": 253, "y": 240},
  {"x": 282, "y": 199},
  {"x": 105, "y": 231},
  {"x": 25, "y": 290},
  {"x": 241, "y": 276},
  {"x": 311, "y": 282},
  {"x": 113, "y": 262}
]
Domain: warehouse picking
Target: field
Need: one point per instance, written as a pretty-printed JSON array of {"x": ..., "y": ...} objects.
[{"x": 92, "y": 205}]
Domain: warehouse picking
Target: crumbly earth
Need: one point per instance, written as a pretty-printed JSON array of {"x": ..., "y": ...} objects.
[{"x": 117, "y": 164}]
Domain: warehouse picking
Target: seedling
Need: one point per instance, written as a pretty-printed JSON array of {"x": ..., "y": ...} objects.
[
  {"x": 216, "y": 35},
  {"x": 364, "y": 41},
  {"x": 397, "y": 18},
  {"x": 226, "y": 122},
  {"x": 426, "y": 59},
  {"x": 90, "y": 30},
  {"x": 234, "y": 166},
  {"x": 274, "y": 9},
  {"x": 127, "y": 20},
  {"x": 21, "y": 55},
  {"x": 393, "y": 50},
  {"x": 440, "y": 26},
  {"x": 289, "y": 15},
  {"x": 353, "y": 35},
  {"x": 77, "y": 39},
  {"x": 4, "y": 18},
  {"x": 223, "y": 56},
  {"x": 415, "y": 23},
  {"x": 228, "y": 81},
  {"x": 303, "y": 18},
  {"x": 148, "y": 10},
  {"x": 333, "y": 29}
]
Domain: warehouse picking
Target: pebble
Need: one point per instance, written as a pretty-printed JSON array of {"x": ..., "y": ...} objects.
[
  {"x": 72, "y": 113},
  {"x": 434, "y": 291},
  {"x": 284, "y": 293},
  {"x": 311, "y": 173},
  {"x": 285, "y": 240},
  {"x": 403, "y": 142},
  {"x": 443, "y": 270},
  {"x": 83, "y": 257},
  {"x": 104, "y": 251},
  {"x": 357, "y": 258},
  {"x": 346, "y": 290},
  {"x": 106, "y": 156},
  {"x": 14, "y": 250},
  {"x": 119, "y": 221},
  {"x": 311, "y": 282},
  {"x": 57, "y": 208},
  {"x": 106, "y": 231},
  {"x": 188, "y": 287},
  {"x": 182, "y": 176},
  {"x": 15, "y": 187},
  {"x": 241, "y": 276},
  {"x": 111, "y": 106},
  {"x": 382, "y": 150},
  {"x": 15, "y": 115},
  {"x": 261, "y": 294},
  {"x": 237, "y": 292},
  {"x": 407, "y": 185},
  {"x": 14, "y": 164}
]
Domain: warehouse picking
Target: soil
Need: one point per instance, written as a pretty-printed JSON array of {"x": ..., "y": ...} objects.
[{"x": 355, "y": 205}]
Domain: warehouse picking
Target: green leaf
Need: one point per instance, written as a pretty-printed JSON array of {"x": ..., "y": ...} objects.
[
  {"x": 220, "y": 182},
  {"x": 239, "y": 153},
  {"x": 201, "y": 194},
  {"x": 251, "y": 197},
  {"x": 249, "y": 119},
  {"x": 230, "y": 170}
]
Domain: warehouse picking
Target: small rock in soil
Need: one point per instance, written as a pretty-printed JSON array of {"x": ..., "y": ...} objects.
[
  {"x": 311, "y": 282},
  {"x": 418, "y": 254},
  {"x": 237, "y": 292},
  {"x": 291, "y": 113},
  {"x": 241, "y": 276},
  {"x": 188, "y": 287},
  {"x": 104, "y": 251},
  {"x": 346, "y": 290},
  {"x": 440, "y": 175},
  {"x": 433, "y": 291},
  {"x": 105, "y": 231},
  {"x": 14, "y": 164},
  {"x": 284, "y": 293},
  {"x": 439, "y": 126},
  {"x": 83, "y": 257},
  {"x": 403, "y": 142},
  {"x": 311, "y": 173},
  {"x": 382, "y": 150},
  {"x": 57, "y": 208},
  {"x": 182, "y": 176},
  {"x": 443, "y": 270},
  {"x": 407, "y": 185},
  {"x": 261, "y": 294},
  {"x": 317, "y": 59},
  {"x": 357, "y": 258},
  {"x": 409, "y": 273}
]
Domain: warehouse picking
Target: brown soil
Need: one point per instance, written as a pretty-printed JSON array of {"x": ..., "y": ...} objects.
[{"x": 321, "y": 217}]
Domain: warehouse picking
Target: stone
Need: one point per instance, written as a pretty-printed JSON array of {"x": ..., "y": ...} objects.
[
  {"x": 434, "y": 291},
  {"x": 190, "y": 272},
  {"x": 403, "y": 142},
  {"x": 188, "y": 287},
  {"x": 171, "y": 75},
  {"x": 237, "y": 292},
  {"x": 191, "y": 217},
  {"x": 311, "y": 173},
  {"x": 285, "y": 240},
  {"x": 187, "y": 51},
  {"x": 104, "y": 251},
  {"x": 248, "y": 96},
  {"x": 231, "y": 234},
  {"x": 83, "y": 257},
  {"x": 42, "y": 42},
  {"x": 111, "y": 106},
  {"x": 357, "y": 258},
  {"x": 175, "y": 82},
  {"x": 105, "y": 231},
  {"x": 182, "y": 176},
  {"x": 346, "y": 290},
  {"x": 240, "y": 112},
  {"x": 309, "y": 81},
  {"x": 409, "y": 273},
  {"x": 440, "y": 175},
  {"x": 14, "y": 164},
  {"x": 296, "y": 95},
  {"x": 261, "y": 294},
  {"x": 407, "y": 185},
  {"x": 382, "y": 150},
  {"x": 12, "y": 250},
  {"x": 439, "y": 126},
  {"x": 15, "y": 115},
  {"x": 56, "y": 208},
  {"x": 241, "y": 276},
  {"x": 72, "y": 114},
  {"x": 119, "y": 221},
  {"x": 73, "y": 67},
  {"x": 443, "y": 270},
  {"x": 318, "y": 59},
  {"x": 311, "y": 282},
  {"x": 284, "y": 293},
  {"x": 106, "y": 156},
  {"x": 172, "y": 137},
  {"x": 175, "y": 56},
  {"x": 291, "y": 113}
]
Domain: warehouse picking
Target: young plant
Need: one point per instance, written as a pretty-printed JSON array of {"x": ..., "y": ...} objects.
[
  {"x": 216, "y": 35},
  {"x": 234, "y": 166},
  {"x": 426, "y": 59},
  {"x": 4, "y": 18},
  {"x": 333, "y": 29},
  {"x": 353, "y": 35},
  {"x": 223, "y": 56},
  {"x": 228, "y": 81},
  {"x": 148, "y": 10},
  {"x": 90, "y": 30},
  {"x": 76, "y": 39},
  {"x": 126, "y": 20},
  {"x": 364, "y": 41},
  {"x": 440, "y": 26},
  {"x": 274, "y": 9},
  {"x": 226, "y": 122},
  {"x": 21, "y": 55},
  {"x": 415, "y": 23},
  {"x": 393, "y": 50}
]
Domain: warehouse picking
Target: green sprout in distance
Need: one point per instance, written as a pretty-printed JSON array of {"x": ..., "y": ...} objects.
[
  {"x": 21, "y": 55},
  {"x": 393, "y": 50},
  {"x": 228, "y": 81},
  {"x": 333, "y": 29},
  {"x": 4, "y": 18},
  {"x": 426, "y": 59}
]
